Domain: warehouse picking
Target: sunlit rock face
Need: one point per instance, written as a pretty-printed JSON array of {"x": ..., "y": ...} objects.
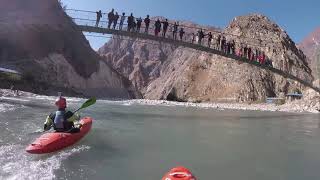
[
  {"x": 311, "y": 47},
  {"x": 163, "y": 71}
]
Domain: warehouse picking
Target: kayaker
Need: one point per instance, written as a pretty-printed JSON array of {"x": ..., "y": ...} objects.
[{"x": 62, "y": 120}]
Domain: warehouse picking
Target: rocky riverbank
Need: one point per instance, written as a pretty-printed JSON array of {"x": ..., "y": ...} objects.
[
  {"x": 296, "y": 106},
  {"x": 310, "y": 103}
]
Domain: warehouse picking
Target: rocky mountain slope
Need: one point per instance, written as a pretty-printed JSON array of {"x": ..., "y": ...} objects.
[
  {"x": 38, "y": 39},
  {"x": 162, "y": 71},
  {"x": 311, "y": 47}
]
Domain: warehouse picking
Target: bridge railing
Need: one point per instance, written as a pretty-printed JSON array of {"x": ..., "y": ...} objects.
[
  {"x": 82, "y": 17},
  {"x": 190, "y": 35}
]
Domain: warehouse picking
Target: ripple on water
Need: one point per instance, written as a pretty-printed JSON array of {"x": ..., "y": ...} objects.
[{"x": 16, "y": 164}]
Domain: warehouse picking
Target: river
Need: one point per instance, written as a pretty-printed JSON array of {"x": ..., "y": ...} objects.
[{"x": 135, "y": 141}]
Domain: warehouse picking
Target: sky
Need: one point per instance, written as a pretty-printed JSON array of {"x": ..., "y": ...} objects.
[{"x": 297, "y": 17}]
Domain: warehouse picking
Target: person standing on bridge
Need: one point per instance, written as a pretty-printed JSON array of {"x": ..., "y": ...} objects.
[
  {"x": 157, "y": 27},
  {"x": 228, "y": 47},
  {"x": 165, "y": 27},
  {"x": 263, "y": 58},
  {"x": 258, "y": 54},
  {"x": 139, "y": 22},
  {"x": 201, "y": 36},
  {"x": 130, "y": 22},
  {"x": 123, "y": 17},
  {"x": 110, "y": 18},
  {"x": 218, "y": 42},
  {"x": 240, "y": 51},
  {"x": 233, "y": 47},
  {"x": 175, "y": 30},
  {"x": 223, "y": 44},
  {"x": 268, "y": 62},
  {"x": 115, "y": 20},
  {"x": 99, "y": 16},
  {"x": 134, "y": 25},
  {"x": 209, "y": 39},
  {"x": 147, "y": 23},
  {"x": 181, "y": 33},
  {"x": 193, "y": 37},
  {"x": 245, "y": 51},
  {"x": 249, "y": 53}
]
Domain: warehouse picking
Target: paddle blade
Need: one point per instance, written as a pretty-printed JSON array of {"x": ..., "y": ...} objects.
[{"x": 88, "y": 103}]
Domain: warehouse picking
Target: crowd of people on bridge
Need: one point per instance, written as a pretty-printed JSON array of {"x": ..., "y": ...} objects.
[{"x": 162, "y": 27}]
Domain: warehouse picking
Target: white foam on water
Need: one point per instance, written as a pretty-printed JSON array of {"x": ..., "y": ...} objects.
[
  {"x": 15, "y": 99},
  {"x": 4, "y": 107},
  {"x": 53, "y": 98},
  {"x": 16, "y": 164},
  {"x": 148, "y": 102},
  {"x": 40, "y": 97},
  {"x": 127, "y": 103}
]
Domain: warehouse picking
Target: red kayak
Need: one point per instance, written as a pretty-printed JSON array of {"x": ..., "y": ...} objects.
[
  {"x": 179, "y": 173},
  {"x": 51, "y": 142}
]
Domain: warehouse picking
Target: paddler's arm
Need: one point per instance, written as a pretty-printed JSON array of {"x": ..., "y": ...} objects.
[
  {"x": 72, "y": 117},
  {"x": 48, "y": 123}
]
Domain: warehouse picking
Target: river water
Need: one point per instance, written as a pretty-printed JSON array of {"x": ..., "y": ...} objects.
[{"x": 134, "y": 141}]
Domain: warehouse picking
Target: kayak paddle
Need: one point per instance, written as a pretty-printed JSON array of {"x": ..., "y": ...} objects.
[{"x": 86, "y": 104}]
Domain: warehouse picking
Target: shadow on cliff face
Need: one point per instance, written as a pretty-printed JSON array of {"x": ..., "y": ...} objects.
[{"x": 172, "y": 96}]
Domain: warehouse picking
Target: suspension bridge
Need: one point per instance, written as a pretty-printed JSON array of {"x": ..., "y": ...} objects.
[{"x": 87, "y": 22}]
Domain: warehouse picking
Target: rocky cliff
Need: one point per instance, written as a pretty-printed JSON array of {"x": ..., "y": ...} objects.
[
  {"x": 162, "y": 71},
  {"x": 38, "y": 39},
  {"x": 311, "y": 47}
]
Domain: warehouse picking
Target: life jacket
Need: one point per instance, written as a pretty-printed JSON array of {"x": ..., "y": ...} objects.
[{"x": 59, "y": 120}]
